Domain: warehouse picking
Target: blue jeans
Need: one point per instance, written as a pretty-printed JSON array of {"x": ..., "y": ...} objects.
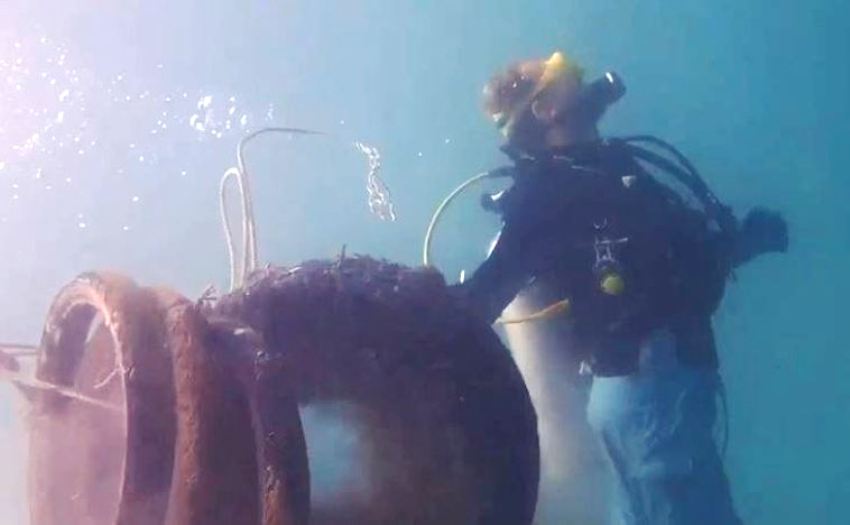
[{"x": 656, "y": 428}]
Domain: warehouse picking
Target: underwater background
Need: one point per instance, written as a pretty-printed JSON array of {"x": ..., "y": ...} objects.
[{"x": 118, "y": 119}]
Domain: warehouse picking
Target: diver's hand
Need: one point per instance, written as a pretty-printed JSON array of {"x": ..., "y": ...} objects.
[
  {"x": 762, "y": 231},
  {"x": 765, "y": 230},
  {"x": 460, "y": 294}
]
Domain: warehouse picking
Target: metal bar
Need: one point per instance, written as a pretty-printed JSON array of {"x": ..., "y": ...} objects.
[{"x": 31, "y": 382}]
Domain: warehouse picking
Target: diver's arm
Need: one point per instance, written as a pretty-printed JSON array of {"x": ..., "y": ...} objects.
[
  {"x": 762, "y": 231},
  {"x": 499, "y": 278}
]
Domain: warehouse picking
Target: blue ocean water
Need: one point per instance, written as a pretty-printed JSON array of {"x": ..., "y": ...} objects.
[{"x": 117, "y": 121}]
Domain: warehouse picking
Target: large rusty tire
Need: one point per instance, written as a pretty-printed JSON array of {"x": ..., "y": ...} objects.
[
  {"x": 448, "y": 425},
  {"x": 95, "y": 466}
]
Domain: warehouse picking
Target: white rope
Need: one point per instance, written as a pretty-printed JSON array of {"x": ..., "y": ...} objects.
[
  {"x": 236, "y": 277},
  {"x": 379, "y": 202}
]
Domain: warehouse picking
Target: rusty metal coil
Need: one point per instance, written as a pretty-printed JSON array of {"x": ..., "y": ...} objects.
[
  {"x": 167, "y": 412},
  {"x": 141, "y": 443}
]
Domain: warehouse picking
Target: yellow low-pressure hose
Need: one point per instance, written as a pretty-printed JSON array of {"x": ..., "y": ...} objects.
[
  {"x": 556, "y": 66},
  {"x": 561, "y": 307}
]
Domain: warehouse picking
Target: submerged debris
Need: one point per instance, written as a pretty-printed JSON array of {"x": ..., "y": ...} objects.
[{"x": 210, "y": 392}]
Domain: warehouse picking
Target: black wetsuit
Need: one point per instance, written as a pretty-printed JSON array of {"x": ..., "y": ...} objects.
[{"x": 561, "y": 213}]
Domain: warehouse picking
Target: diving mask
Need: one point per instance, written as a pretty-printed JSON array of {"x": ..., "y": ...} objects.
[
  {"x": 556, "y": 67},
  {"x": 585, "y": 108}
]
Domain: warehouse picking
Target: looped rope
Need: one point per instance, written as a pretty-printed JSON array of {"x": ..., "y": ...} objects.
[{"x": 379, "y": 201}]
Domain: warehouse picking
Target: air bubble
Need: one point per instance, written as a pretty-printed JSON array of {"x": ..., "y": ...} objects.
[
  {"x": 196, "y": 123},
  {"x": 205, "y": 102}
]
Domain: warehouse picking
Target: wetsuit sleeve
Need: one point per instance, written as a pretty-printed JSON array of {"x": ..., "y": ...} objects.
[{"x": 501, "y": 277}]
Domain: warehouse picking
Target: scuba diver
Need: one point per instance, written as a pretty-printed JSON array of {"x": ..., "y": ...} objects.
[{"x": 637, "y": 265}]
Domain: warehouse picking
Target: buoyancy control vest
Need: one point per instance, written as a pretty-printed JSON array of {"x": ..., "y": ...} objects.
[{"x": 630, "y": 253}]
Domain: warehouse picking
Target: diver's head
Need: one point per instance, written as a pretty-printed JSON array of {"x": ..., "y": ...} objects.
[{"x": 544, "y": 103}]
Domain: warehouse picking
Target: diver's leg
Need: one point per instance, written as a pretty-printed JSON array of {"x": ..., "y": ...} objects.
[
  {"x": 657, "y": 429},
  {"x": 612, "y": 414},
  {"x": 681, "y": 472}
]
